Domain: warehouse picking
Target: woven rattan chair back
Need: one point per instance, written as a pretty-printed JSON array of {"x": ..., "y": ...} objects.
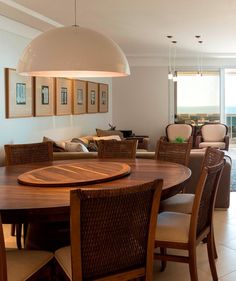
[
  {"x": 212, "y": 157},
  {"x": 173, "y": 152},
  {"x": 204, "y": 201},
  {"x": 112, "y": 231},
  {"x": 117, "y": 149},
  {"x": 3, "y": 263},
  {"x": 28, "y": 153}
]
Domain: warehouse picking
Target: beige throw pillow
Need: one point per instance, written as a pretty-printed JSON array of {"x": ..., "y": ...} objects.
[
  {"x": 75, "y": 147},
  {"x": 113, "y": 137},
  {"x": 103, "y": 133}
]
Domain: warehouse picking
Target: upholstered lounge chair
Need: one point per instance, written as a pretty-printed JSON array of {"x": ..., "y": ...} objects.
[{"x": 213, "y": 135}]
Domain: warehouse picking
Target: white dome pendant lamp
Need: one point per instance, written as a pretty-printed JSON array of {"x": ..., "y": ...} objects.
[{"x": 73, "y": 51}]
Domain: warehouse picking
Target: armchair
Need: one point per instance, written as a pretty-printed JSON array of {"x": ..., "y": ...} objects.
[{"x": 213, "y": 135}]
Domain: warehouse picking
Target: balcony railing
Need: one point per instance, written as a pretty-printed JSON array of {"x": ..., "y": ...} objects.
[{"x": 203, "y": 118}]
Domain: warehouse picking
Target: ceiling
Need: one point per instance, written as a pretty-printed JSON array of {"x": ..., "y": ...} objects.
[{"x": 140, "y": 27}]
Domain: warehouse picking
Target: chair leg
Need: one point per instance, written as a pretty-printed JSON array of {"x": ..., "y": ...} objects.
[
  {"x": 18, "y": 235},
  {"x": 214, "y": 246},
  {"x": 13, "y": 229},
  {"x": 193, "y": 264},
  {"x": 163, "y": 263},
  {"x": 211, "y": 255}
]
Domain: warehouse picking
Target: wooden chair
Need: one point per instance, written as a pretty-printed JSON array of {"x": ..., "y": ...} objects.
[
  {"x": 28, "y": 153},
  {"x": 16, "y": 154},
  {"x": 112, "y": 234},
  {"x": 186, "y": 231},
  {"x": 117, "y": 149},
  {"x": 173, "y": 152},
  {"x": 183, "y": 202},
  {"x": 24, "y": 265}
]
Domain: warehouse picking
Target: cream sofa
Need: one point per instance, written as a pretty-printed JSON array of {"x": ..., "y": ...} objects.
[{"x": 196, "y": 158}]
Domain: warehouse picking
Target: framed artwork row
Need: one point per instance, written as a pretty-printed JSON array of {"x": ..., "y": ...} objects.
[{"x": 41, "y": 96}]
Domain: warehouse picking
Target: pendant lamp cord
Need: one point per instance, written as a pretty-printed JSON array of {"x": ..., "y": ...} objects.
[{"x": 75, "y": 13}]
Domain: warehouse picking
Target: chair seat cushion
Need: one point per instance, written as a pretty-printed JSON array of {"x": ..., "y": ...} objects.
[
  {"x": 220, "y": 145},
  {"x": 23, "y": 264},
  {"x": 63, "y": 257},
  {"x": 173, "y": 227},
  {"x": 181, "y": 203}
]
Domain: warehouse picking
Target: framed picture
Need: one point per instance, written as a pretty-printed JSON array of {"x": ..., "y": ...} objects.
[
  {"x": 44, "y": 96},
  {"x": 63, "y": 96},
  {"x": 92, "y": 97},
  {"x": 103, "y": 98},
  {"x": 19, "y": 94},
  {"x": 79, "y": 97}
]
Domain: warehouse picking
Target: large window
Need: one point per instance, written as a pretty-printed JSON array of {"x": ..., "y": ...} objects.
[
  {"x": 197, "y": 97},
  {"x": 230, "y": 101}
]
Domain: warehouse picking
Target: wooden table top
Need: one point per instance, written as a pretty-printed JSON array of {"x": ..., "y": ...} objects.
[
  {"x": 22, "y": 200},
  {"x": 75, "y": 174}
]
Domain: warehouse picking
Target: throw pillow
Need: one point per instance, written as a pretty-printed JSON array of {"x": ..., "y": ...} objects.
[
  {"x": 75, "y": 147},
  {"x": 79, "y": 140},
  {"x": 112, "y": 137},
  {"x": 103, "y": 133},
  {"x": 92, "y": 147},
  {"x": 56, "y": 148}
]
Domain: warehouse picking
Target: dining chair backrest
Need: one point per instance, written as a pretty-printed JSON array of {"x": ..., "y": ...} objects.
[
  {"x": 204, "y": 201},
  {"x": 213, "y": 156},
  {"x": 173, "y": 152},
  {"x": 112, "y": 230},
  {"x": 28, "y": 153},
  {"x": 117, "y": 149}
]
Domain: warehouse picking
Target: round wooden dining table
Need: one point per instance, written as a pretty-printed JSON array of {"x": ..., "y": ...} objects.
[{"x": 23, "y": 203}]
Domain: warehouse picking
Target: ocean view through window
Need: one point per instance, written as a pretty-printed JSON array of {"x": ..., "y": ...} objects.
[{"x": 198, "y": 97}]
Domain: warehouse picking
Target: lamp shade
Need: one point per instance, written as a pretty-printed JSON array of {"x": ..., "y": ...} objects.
[{"x": 73, "y": 51}]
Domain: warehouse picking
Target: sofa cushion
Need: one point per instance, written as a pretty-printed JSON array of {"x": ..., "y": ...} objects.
[{"x": 103, "y": 133}]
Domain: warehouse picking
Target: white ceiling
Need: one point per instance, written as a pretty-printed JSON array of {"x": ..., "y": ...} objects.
[{"x": 140, "y": 27}]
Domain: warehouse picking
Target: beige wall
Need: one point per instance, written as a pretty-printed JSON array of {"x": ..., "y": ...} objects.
[{"x": 140, "y": 102}]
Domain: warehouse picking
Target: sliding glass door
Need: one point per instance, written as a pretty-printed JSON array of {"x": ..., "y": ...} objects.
[
  {"x": 197, "y": 97},
  {"x": 230, "y": 102}
]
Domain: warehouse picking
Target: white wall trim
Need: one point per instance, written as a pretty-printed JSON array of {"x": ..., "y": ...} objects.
[{"x": 20, "y": 29}]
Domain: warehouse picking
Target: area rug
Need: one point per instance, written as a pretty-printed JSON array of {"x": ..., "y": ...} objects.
[{"x": 233, "y": 176}]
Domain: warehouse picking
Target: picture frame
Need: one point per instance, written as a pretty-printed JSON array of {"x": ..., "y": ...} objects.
[
  {"x": 103, "y": 98},
  {"x": 79, "y": 97},
  {"x": 44, "y": 94},
  {"x": 63, "y": 96},
  {"x": 19, "y": 94},
  {"x": 92, "y": 97}
]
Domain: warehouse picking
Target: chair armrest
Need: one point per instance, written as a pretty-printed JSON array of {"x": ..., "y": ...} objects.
[
  {"x": 197, "y": 141},
  {"x": 226, "y": 140},
  {"x": 163, "y": 138}
]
